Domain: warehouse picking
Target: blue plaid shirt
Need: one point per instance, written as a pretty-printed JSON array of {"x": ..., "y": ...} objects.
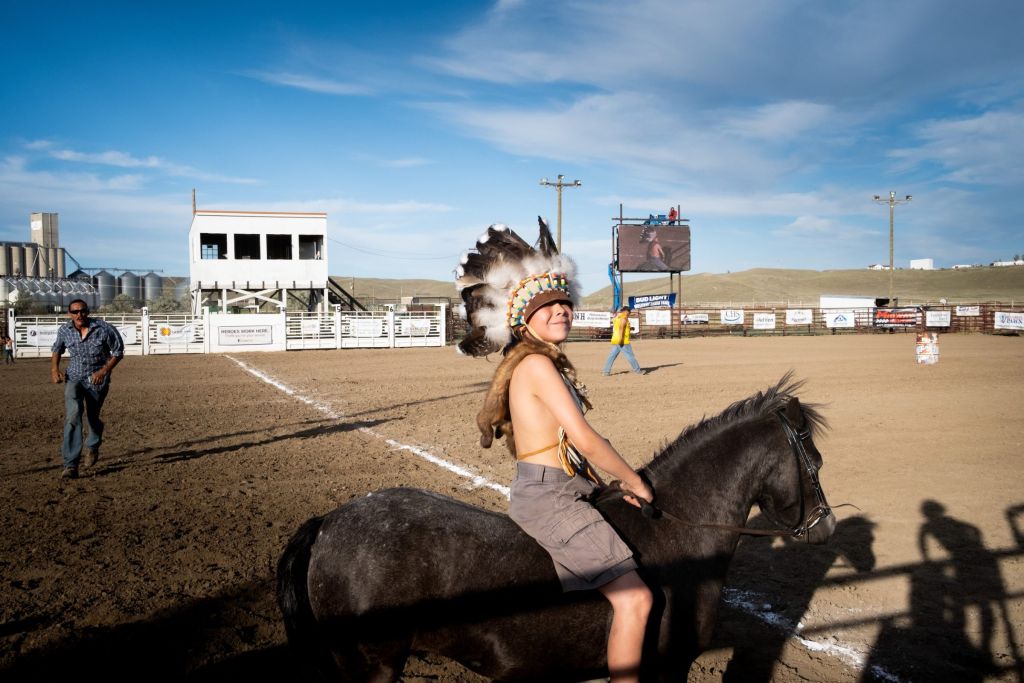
[{"x": 92, "y": 353}]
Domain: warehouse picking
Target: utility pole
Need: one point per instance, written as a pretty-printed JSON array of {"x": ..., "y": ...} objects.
[
  {"x": 892, "y": 202},
  {"x": 558, "y": 186}
]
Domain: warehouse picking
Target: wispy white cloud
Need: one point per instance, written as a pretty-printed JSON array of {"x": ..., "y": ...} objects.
[
  {"x": 125, "y": 160},
  {"x": 309, "y": 82}
]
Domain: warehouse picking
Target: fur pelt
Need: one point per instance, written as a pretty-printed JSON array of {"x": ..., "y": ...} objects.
[{"x": 494, "y": 418}]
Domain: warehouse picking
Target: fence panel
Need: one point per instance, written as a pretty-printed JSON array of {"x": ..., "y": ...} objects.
[
  {"x": 176, "y": 333},
  {"x": 311, "y": 330}
]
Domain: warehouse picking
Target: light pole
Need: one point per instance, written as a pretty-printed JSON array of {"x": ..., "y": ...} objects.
[
  {"x": 892, "y": 202},
  {"x": 558, "y": 186}
]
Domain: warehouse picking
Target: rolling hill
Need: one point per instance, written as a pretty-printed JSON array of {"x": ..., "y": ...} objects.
[{"x": 762, "y": 285}]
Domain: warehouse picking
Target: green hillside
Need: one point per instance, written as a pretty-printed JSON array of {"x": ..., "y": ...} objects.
[{"x": 762, "y": 285}]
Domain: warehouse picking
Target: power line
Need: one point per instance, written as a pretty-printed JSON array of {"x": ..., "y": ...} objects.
[{"x": 451, "y": 257}]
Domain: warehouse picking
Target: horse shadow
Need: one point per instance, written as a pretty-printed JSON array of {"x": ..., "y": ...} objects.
[
  {"x": 790, "y": 571},
  {"x": 958, "y": 578}
]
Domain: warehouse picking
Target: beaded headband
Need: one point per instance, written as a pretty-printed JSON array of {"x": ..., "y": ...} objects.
[{"x": 535, "y": 291}]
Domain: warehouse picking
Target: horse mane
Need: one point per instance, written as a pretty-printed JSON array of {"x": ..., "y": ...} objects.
[{"x": 755, "y": 407}]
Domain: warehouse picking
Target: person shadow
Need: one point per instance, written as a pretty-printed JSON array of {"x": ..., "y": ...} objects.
[
  {"x": 791, "y": 573},
  {"x": 958, "y": 576}
]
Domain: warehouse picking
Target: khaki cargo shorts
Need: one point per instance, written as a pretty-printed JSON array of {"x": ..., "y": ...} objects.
[{"x": 548, "y": 505}]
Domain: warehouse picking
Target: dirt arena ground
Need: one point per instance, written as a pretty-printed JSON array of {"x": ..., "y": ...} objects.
[{"x": 158, "y": 563}]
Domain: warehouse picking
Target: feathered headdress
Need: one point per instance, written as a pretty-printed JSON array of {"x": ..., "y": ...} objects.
[{"x": 505, "y": 280}]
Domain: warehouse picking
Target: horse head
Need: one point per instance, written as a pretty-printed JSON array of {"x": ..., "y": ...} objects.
[{"x": 792, "y": 496}]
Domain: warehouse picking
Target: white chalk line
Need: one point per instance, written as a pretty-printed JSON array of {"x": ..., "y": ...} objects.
[
  {"x": 742, "y": 600},
  {"x": 476, "y": 480},
  {"x": 759, "y": 606}
]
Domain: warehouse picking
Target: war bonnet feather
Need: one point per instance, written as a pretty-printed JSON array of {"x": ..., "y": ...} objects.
[{"x": 505, "y": 280}]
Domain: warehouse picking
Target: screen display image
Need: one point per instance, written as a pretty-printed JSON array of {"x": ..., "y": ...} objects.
[{"x": 654, "y": 248}]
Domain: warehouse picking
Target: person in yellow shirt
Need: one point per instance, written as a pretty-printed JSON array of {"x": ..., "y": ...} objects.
[{"x": 620, "y": 343}]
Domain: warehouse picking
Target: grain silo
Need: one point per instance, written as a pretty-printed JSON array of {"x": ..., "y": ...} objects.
[
  {"x": 131, "y": 285},
  {"x": 17, "y": 259},
  {"x": 106, "y": 286},
  {"x": 5, "y": 260},
  {"x": 152, "y": 287},
  {"x": 31, "y": 267}
]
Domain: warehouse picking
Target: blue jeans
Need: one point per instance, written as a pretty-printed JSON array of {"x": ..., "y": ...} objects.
[
  {"x": 81, "y": 396},
  {"x": 628, "y": 351}
]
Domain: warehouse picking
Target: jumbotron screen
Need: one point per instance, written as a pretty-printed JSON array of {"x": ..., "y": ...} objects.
[{"x": 654, "y": 248}]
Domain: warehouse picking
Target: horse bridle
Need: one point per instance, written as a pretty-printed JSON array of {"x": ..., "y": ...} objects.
[{"x": 821, "y": 510}]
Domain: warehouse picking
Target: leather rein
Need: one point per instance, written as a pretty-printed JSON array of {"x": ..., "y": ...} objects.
[{"x": 821, "y": 510}]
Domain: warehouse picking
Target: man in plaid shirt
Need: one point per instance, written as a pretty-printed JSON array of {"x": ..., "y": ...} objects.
[{"x": 95, "y": 347}]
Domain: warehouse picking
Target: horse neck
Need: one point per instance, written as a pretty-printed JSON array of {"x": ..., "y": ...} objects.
[{"x": 714, "y": 478}]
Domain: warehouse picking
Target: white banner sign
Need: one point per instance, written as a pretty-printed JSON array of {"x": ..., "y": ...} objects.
[
  {"x": 174, "y": 334},
  {"x": 764, "y": 321},
  {"x": 41, "y": 335},
  {"x": 309, "y": 326},
  {"x": 968, "y": 310},
  {"x": 365, "y": 328},
  {"x": 937, "y": 318},
  {"x": 696, "y": 319},
  {"x": 1009, "y": 321},
  {"x": 839, "y": 319},
  {"x": 659, "y": 317},
  {"x": 245, "y": 335},
  {"x": 413, "y": 327},
  {"x": 591, "y": 319},
  {"x": 730, "y": 316},
  {"x": 799, "y": 316},
  {"x": 129, "y": 333}
]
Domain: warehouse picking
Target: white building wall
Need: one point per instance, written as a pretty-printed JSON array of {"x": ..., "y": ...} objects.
[
  {"x": 922, "y": 264},
  {"x": 261, "y": 272}
]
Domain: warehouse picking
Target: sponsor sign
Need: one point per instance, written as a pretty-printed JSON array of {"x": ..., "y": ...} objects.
[
  {"x": 1009, "y": 321},
  {"x": 41, "y": 335},
  {"x": 175, "y": 334},
  {"x": 413, "y": 327},
  {"x": 658, "y": 317},
  {"x": 730, "y": 316},
  {"x": 309, "y": 326},
  {"x": 652, "y": 301},
  {"x": 968, "y": 310},
  {"x": 896, "y": 317},
  {"x": 591, "y": 319},
  {"x": 695, "y": 319},
  {"x": 926, "y": 350},
  {"x": 365, "y": 327},
  {"x": 245, "y": 335},
  {"x": 834, "y": 319},
  {"x": 799, "y": 316},
  {"x": 938, "y": 318},
  {"x": 764, "y": 321},
  {"x": 129, "y": 333}
]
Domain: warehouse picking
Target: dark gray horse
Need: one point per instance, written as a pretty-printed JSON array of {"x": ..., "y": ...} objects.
[{"x": 404, "y": 570}]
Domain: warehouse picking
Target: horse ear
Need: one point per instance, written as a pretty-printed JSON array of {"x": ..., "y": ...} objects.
[{"x": 793, "y": 411}]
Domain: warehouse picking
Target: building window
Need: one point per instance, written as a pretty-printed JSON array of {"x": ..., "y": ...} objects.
[
  {"x": 311, "y": 247},
  {"x": 279, "y": 247},
  {"x": 247, "y": 247},
  {"x": 213, "y": 246}
]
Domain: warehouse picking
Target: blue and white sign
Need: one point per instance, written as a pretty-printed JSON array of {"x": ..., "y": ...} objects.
[
  {"x": 799, "y": 316},
  {"x": 835, "y": 319},
  {"x": 696, "y": 319},
  {"x": 968, "y": 310},
  {"x": 652, "y": 301},
  {"x": 730, "y": 316},
  {"x": 1009, "y": 321},
  {"x": 764, "y": 321}
]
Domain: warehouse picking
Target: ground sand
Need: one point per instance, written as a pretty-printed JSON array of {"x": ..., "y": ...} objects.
[{"x": 159, "y": 562}]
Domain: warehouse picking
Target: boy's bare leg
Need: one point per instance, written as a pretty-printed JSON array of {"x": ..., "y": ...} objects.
[{"x": 631, "y": 605}]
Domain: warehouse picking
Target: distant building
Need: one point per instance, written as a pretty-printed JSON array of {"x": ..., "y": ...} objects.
[
  {"x": 878, "y": 266},
  {"x": 922, "y": 264},
  {"x": 1018, "y": 262},
  {"x": 962, "y": 266}
]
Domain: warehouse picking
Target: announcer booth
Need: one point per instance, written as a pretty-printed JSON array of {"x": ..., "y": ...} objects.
[
  {"x": 659, "y": 243},
  {"x": 256, "y": 261}
]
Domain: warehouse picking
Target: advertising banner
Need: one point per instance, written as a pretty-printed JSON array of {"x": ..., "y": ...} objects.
[
  {"x": 896, "y": 317},
  {"x": 730, "y": 316},
  {"x": 41, "y": 335},
  {"x": 129, "y": 333},
  {"x": 245, "y": 335},
  {"x": 652, "y": 301},
  {"x": 654, "y": 248},
  {"x": 1008, "y": 321},
  {"x": 968, "y": 310},
  {"x": 938, "y": 318},
  {"x": 764, "y": 321},
  {"x": 799, "y": 316},
  {"x": 591, "y": 319},
  {"x": 695, "y": 319},
  {"x": 657, "y": 317},
  {"x": 175, "y": 334},
  {"x": 834, "y": 319}
]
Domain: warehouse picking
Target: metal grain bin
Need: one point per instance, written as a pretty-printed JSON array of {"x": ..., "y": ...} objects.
[
  {"x": 106, "y": 285},
  {"x": 152, "y": 286},
  {"x": 131, "y": 285}
]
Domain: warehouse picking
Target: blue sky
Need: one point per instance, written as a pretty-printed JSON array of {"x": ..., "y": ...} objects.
[{"x": 416, "y": 124}]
